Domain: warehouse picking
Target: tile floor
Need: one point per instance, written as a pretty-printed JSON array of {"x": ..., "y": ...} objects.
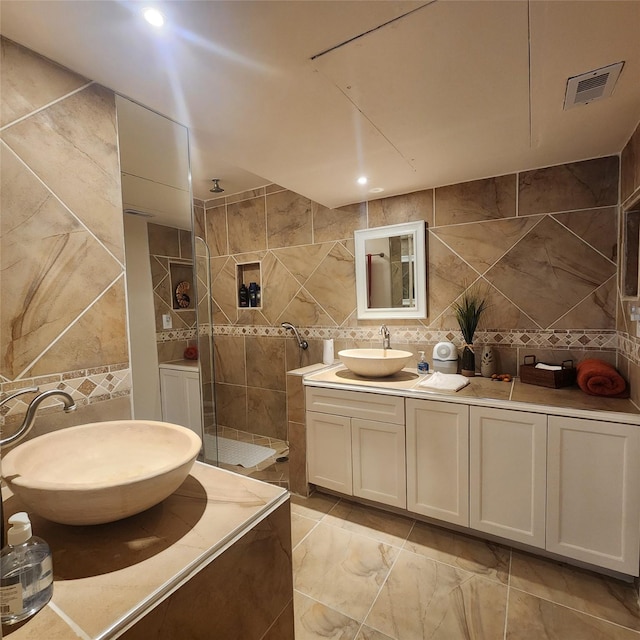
[{"x": 364, "y": 574}]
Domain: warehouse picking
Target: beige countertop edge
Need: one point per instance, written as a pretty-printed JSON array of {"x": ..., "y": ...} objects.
[
  {"x": 180, "y": 365},
  {"x": 408, "y": 389},
  {"x": 194, "y": 567}
]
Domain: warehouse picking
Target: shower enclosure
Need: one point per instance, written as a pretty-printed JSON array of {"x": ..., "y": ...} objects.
[{"x": 204, "y": 323}]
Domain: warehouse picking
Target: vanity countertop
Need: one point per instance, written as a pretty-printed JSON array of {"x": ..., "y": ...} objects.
[
  {"x": 182, "y": 365},
  {"x": 108, "y": 576},
  {"x": 570, "y": 401}
]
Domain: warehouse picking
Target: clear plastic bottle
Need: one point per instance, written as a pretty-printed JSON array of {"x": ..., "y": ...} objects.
[
  {"x": 26, "y": 572},
  {"x": 423, "y": 365}
]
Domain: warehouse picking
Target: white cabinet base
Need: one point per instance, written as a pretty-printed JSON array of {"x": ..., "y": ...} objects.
[
  {"x": 593, "y": 496},
  {"x": 180, "y": 396},
  {"x": 379, "y": 462},
  {"x": 438, "y": 460},
  {"x": 329, "y": 451},
  {"x": 507, "y": 474}
]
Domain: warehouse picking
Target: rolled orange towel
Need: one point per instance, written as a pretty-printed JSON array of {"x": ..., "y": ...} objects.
[{"x": 598, "y": 378}]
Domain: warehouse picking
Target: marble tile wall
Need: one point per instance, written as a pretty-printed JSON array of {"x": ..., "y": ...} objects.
[
  {"x": 63, "y": 316},
  {"x": 629, "y": 339},
  {"x": 542, "y": 243},
  {"x": 170, "y": 246}
]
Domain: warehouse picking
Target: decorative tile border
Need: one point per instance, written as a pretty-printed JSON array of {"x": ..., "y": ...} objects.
[
  {"x": 176, "y": 334},
  {"x": 541, "y": 339},
  {"x": 629, "y": 347},
  {"x": 86, "y": 386}
]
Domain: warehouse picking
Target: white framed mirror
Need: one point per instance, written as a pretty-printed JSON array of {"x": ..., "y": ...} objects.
[{"x": 391, "y": 271}]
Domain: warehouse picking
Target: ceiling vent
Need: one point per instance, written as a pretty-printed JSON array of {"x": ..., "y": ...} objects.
[{"x": 592, "y": 85}]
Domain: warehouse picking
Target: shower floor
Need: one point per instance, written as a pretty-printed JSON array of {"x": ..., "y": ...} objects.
[{"x": 269, "y": 470}]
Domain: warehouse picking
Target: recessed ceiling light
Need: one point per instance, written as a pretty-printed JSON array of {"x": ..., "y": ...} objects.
[
  {"x": 376, "y": 190},
  {"x": 153, "y": 16},
  {"x": 362, "y": 180}
]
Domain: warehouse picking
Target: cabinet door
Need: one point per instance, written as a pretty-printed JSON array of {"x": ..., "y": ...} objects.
[
  {"x": 180, "y": 398},
  {"x": 593, "y": 492},
  {"x": 329, "y": 451},
  {"x": 438, "y": 460},
  {"x": 174, "y": 408},
  {"x": 507, "y": 474},
  {"x": 379, "y": 462}
]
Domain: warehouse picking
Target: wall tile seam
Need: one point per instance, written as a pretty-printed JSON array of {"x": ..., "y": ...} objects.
[
  {"x": 70, "y": 325},
  {"x": 63, "y": 204},
  {"x": 46, "y": 106},
  {"x": 631, "y": 198},
  {"x": 581, "y": 239},
  {"x": 629, "y": 347},
  {"x": 634, "y": 132}
]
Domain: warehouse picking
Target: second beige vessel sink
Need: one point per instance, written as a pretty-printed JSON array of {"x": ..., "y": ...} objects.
[
  {"x": 101, "y": 472},
  {"x": 374, "y": 363}
]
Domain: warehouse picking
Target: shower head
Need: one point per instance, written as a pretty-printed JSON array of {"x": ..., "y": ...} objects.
[{"x": 216, "y": 187}]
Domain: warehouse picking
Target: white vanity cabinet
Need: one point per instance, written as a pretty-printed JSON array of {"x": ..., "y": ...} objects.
[
  {"x": 329, "y": 451},
  {"x": 593, "y": 492},
  {"x": 180, "y": 395},
  {"x": 356, "y": 444},
  {"x": 438, "y": 460},
  {"x": 567, "y": 484},
  {"x": 507, "y": 474}
]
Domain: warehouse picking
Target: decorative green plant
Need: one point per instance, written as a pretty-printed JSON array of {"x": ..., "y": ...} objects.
[{"x": 468, "y": 308}]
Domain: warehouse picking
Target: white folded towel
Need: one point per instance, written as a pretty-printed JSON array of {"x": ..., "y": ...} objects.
[
  {"x": 438, "y": 381},
  {"x": 548, "y": 367}
]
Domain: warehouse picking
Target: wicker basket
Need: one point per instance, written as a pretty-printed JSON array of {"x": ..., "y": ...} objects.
[{"x": 564, "y": 377}]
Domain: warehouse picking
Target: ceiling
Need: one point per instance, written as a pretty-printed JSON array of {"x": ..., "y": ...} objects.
[{"x": 311, "y": 95}]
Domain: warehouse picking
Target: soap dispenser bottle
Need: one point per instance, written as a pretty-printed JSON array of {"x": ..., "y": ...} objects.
[
  {"x": 26, "y": 572},
  {"x": 423, "y": 365}
]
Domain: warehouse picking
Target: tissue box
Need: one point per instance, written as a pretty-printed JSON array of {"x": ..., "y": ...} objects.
[{"x": 564, "y": 377}]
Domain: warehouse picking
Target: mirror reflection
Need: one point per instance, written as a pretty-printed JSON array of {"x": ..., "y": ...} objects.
[
  {"x": 161, "y": 283},
  {"x": 391, "y": 271}
]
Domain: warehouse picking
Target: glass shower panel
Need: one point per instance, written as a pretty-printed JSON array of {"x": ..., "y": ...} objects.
[{"x": 205, "y": 350}]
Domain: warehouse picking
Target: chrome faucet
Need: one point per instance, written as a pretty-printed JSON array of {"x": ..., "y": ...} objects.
[
  {"x": 303, "y": 344},
  {"x": 30, "y": 415},
  {"x": 386, "y": 337}
]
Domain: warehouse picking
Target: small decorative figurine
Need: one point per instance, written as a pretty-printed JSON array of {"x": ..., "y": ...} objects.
[{"x": 487, "y": 363}]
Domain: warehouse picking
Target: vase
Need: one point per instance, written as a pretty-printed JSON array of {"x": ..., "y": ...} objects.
[
  {"x": 487, "y": 363},
  {"x": 468, "y": 364}
]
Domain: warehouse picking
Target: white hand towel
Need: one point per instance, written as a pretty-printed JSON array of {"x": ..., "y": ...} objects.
[
  {"x": 438, "y": 381},
  {"x": 548, "y": 367},
  {"x": 327, "y": 352}
]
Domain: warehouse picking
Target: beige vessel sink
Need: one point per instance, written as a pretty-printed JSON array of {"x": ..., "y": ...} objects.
[
  {"x": 101, "y": 472},
  {"x": 374, "y": 363}
]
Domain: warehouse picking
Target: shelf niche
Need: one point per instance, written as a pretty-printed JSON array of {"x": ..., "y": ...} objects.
[{"x": 246, "y": 273}]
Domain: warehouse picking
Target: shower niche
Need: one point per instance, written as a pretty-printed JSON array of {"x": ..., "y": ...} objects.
[
  {"x": 249, "y": 285},
  {"x": 182, "y": 292}
]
